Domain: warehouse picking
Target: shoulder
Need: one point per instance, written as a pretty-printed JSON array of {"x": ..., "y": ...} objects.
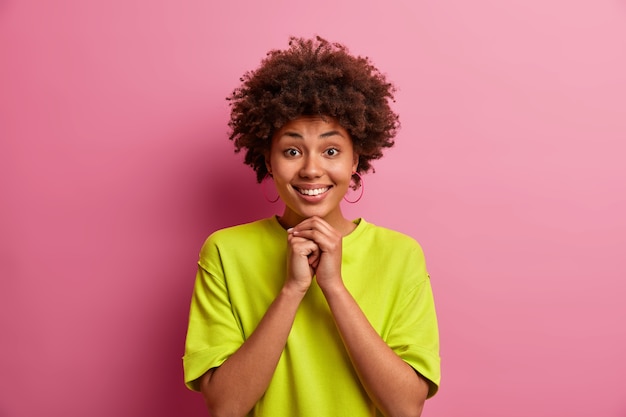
[
  {"x": 381, "y": 251},
  {"x": 384, "y": 237},
  {"x": 241, "y": 230},
  {"x": 240, "y": 235}
]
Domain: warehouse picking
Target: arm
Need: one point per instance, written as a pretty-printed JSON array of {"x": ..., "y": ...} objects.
[
  {"x": 237, "y": 385},
  {"x": 393, "y": 385}
]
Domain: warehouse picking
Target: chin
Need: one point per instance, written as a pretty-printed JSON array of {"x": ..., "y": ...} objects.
[{"x": 305, "y": 214}]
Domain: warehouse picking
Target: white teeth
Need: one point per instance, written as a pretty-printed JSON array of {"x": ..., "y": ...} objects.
[{"x": 316, "y": 191}]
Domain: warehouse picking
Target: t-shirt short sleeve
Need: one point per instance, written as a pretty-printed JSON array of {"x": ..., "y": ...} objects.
[
  {"x": 213, "y": 333},
  {"x": 415, "y": 335}
]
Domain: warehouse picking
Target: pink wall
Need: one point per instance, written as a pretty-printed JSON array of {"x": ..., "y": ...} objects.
[{"x": 509, "y": 169}]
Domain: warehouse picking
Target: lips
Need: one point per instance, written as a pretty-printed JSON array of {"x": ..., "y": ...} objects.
[{"x": 312, "y": 191}]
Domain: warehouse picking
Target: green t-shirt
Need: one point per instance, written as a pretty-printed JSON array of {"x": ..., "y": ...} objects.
[{"x": 242, "y": 269}]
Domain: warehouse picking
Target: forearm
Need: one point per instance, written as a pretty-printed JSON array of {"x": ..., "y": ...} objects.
[
  {"x": 393, "y": 385},
  {"x": 236, "y": 386}
]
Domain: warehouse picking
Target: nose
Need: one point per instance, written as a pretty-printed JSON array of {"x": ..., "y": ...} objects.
[{"x": 311, "y": 167}]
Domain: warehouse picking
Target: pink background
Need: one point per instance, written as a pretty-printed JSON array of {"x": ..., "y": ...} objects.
[{"x": 509, "y": 169}]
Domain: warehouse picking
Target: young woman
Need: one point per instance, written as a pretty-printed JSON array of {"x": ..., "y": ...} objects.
[{"x": 309, "y": 313}]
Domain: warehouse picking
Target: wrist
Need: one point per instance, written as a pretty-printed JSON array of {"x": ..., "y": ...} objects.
[
  {"x": 294, "y": 290},
  {"x": 332, "y": 287}
]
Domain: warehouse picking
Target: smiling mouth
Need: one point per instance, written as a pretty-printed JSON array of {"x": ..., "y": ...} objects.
[{"x": 312, "y": 192}]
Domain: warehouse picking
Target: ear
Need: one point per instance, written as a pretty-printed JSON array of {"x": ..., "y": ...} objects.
[
  {"x": 355, "y": 162},
  {"x": 268, "y": 164}
]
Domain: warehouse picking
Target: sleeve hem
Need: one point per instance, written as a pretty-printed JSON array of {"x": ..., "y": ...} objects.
[
  {"x": 427, "y": 366},
  {"x": 196, "y": 364}
]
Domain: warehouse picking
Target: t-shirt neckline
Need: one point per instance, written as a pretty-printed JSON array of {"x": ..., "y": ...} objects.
[{"x": 360, "y": 222}]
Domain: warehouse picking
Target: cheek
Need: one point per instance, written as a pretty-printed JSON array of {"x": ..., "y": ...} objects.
[
  {"x": 283, "y": 173},
  {"x": 275, "y": 162},
  {"x": 342, "y": 173}
]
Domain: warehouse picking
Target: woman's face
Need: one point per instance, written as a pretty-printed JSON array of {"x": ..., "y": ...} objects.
[{"x": 312, "y": 160}]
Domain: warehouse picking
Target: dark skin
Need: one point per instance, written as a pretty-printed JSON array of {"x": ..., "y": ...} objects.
[{"x": 312, "y": 161}]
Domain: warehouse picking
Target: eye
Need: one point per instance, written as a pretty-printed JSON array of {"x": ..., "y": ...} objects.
[
  {"x": 291, "y": 152},
  {"x": 332, "y": 151}
]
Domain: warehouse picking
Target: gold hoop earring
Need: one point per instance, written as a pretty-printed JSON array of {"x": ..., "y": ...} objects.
[
  {"x": 362, "y": 187},
  {"x": 264, "y": 191}
]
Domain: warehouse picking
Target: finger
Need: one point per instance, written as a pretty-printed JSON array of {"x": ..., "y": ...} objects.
[
  {"x": 314, "y": 258},
  {"x": 312, "y": 230},
  {"x": 312, "y": 223},
  {"x": 325, "y": 239},
  {"x": 302, "y": 246}
]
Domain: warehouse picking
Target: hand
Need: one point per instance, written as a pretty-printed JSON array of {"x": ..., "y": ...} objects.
[
  {"x": 325, "y": 258},
  {"x": 302, "y": 260}
]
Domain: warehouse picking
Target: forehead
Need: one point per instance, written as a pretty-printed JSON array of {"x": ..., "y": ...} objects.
[{"x": 312, "y": 126}]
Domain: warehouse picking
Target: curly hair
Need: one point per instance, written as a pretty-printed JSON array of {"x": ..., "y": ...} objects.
[{"x": 313, "y": 77}]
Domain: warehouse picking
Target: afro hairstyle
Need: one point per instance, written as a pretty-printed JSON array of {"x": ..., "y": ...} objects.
[{"x": 313, "y": 77}]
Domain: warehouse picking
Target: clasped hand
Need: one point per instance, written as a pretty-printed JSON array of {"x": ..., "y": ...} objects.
[{"x": 314, "y": 250}]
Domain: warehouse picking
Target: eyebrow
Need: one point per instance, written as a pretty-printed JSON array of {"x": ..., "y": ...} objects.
[{"x": 322, "y": 136}]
